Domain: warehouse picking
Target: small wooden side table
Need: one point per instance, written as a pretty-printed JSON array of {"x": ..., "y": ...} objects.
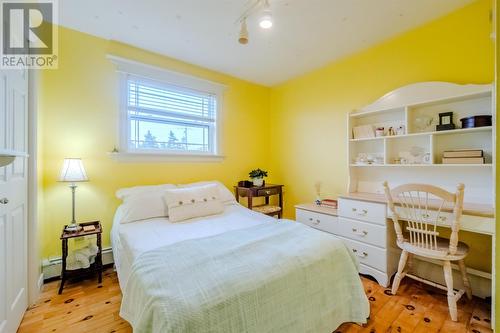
[
  {"x": 262, "y": 191},
  {"x": 96, "y": 267}
]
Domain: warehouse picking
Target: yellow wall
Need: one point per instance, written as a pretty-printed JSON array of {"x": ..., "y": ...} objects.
[
  {"x": 309, "y": 113},
  {"x": 79, "y": 107}
]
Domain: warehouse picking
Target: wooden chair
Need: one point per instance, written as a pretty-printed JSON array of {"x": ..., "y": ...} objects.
[{"x": 419, "y": 208}]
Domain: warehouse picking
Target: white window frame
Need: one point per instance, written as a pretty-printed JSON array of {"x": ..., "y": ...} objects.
[{"x": 127, "y": 68}]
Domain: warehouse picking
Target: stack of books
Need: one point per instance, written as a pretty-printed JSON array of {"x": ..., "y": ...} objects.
[
  {"x": 329, "y": 203},
  {"x": 463, "y": 156}
]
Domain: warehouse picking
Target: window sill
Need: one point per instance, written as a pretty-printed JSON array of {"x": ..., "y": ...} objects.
[{"x": 162, "y": 157}]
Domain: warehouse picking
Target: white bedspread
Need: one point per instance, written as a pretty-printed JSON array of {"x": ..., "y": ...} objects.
[{"x": 132, "y": 239}]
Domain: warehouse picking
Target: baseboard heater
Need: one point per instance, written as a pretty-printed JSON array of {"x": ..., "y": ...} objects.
[{"x": 52, "y": 267}]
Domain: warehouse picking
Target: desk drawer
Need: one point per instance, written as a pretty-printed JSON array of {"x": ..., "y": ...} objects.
[
  {"x": 323, "y": 222},
  {"x": 363, "y": 210},
  {"x": 427, "y": 216},
  {"x": 267, "y": 191},
  {"x": 363, "y": 232},
  {"x": 367, "y": 254}
]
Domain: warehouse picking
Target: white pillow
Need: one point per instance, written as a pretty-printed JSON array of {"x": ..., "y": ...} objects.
[
  {"x": 226, "y": 196},
  {"x": 124, "y": 193},
  {"x": 143, "y": 202},
  {"x": 190, "y": 202},
  {"x": 143, "y": 206}
]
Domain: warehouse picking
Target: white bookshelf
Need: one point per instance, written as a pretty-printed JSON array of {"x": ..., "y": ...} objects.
[{"x": 402, "y": 107}]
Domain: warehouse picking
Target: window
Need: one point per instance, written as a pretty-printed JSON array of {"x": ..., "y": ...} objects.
[
  {"x": 163, "y": 117},
  {"x": 167, "y": 113}
]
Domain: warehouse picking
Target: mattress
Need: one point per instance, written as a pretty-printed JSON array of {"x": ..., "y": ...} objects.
[{"x": 132, "y": 239}]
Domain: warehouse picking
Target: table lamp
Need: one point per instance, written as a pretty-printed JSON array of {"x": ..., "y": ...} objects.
[{"x": 73, "y": 172}]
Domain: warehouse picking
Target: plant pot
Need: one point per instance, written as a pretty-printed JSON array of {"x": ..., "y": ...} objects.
[{"x": 258, "y": 181}]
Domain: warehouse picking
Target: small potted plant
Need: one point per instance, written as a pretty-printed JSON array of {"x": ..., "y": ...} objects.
[{"x": 257, "y": 177}]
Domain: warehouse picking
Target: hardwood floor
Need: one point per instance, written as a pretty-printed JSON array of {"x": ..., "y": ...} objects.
[{"x": 88, "y": 307}]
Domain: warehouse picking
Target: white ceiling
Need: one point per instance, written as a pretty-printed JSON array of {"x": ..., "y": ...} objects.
[{"x": 307, "y": 34}]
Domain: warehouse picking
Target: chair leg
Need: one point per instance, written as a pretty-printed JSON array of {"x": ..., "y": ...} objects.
[
  {"x": 452, "y": 302},
  {"x": 400, "y": 274},
  {"x": 465, "y": 278},
  {"x": 409, "y": 263}
]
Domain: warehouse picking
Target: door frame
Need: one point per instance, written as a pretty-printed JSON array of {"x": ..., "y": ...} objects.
[{"x": 35, "y": 275}]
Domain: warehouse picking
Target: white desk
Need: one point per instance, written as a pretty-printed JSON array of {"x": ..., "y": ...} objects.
[{"x": 476, "y": 218}]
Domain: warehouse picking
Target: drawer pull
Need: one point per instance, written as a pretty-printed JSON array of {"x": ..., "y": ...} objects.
[
  {"x": 310, "y": 219},
  {"x": 442, "y": 218},
  {"x": 316, "y": 222},
  {"x": 362, "y": 255},
  {"x": 268, "y": 192},
  {"x": 359, "y": 233},
  {"x": 363, "y": 212},
  {"x": 425, "y": 216}
]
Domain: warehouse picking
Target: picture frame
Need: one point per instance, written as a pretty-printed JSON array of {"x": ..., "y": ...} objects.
[{"x": 445, "y": 122}]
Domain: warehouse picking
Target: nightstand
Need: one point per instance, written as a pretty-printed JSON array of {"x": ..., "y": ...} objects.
[
  {"x": 96, "y": 267},
  {"x": 265, "y": 191}
]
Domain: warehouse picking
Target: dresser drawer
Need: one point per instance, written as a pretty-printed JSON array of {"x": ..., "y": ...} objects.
[
  {"x": 323, "y": 222},
  {"x": 363, "y": 211},
  {"x": 363, "y": 232},
  {"x": 268, "y": 191},
  {"x": 367, "y": 254}
]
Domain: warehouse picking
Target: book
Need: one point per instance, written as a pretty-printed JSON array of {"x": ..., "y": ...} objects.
[
  {"x": 88, "y": 228},
  {"x": 329, "y": 202},
  {"x": 463, "y": 153},
  {"x": 463, "y": 160}
]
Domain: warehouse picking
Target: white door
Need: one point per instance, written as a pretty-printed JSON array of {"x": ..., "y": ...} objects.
[{"x": 13, "y": 199}]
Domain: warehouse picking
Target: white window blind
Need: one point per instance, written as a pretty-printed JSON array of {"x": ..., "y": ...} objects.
[{"x": 169, "y": 118}]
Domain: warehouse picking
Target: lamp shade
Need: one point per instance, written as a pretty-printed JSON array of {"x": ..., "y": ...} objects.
[{"x": 73, "y": 171}]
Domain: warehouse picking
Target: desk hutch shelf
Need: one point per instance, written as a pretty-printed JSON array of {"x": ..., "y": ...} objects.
[{"x": 404, "y": 109}]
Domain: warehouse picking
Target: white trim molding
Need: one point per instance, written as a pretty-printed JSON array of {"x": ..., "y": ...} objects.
[
  {"x": 161, "y": 157},
  {"x": 162, "y": 74},
  {"x": 127, "y": 68},
  {"x": 35, "y": 276}
]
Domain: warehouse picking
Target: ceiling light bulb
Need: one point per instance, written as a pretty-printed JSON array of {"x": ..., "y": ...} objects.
[
  {"x": 243, "y": 38},
  {"x": 266, "y": 21}
]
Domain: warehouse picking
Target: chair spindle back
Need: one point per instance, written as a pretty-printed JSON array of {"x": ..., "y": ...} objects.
[{"x": 421, "y": 207}]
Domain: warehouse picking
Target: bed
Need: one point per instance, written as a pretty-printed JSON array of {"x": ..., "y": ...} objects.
[{"x": 238, "y": 271}]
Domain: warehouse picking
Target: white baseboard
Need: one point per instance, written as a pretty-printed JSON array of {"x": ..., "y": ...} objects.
[
  {"x": 52, "y": 267},
  {"x": 40, "y": 282}
]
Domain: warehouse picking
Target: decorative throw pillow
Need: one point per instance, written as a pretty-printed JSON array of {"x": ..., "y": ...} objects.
[
  {"x": 190, "y": 202},
  {"x": 226, "y": 196}
]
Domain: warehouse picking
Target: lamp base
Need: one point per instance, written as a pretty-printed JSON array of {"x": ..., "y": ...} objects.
[{"x": 73, "y": 227}]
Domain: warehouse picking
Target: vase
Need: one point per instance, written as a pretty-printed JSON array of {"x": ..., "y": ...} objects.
[{"x": 258, "y": 181}]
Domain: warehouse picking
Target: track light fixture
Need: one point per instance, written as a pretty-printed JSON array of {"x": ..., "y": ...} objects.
[
  {"x": 243, "y": 38},
  {"x": 265, "y": 18}
]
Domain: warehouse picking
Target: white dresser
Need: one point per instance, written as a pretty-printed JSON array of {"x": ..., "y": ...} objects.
[{"x": 362, "y": 226}]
